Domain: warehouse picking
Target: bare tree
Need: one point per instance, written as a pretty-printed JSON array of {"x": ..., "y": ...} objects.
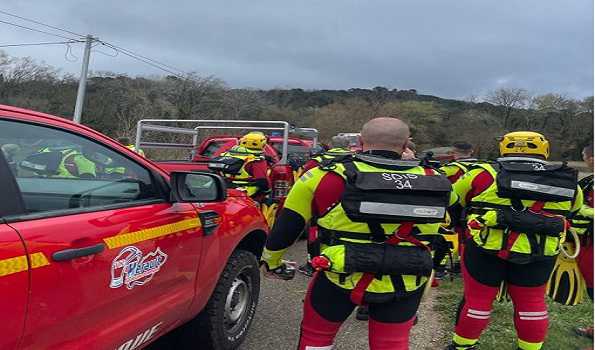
[
  {"x": 551, "y": 106},
  {"x": 510, "y": 99},
  {"x": 242, "y": 104},
  {"x": 195, "y": 95}
]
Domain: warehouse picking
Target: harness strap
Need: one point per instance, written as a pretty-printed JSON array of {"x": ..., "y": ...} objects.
[
  {"x": 403, "y": 233},
  {"x": 477, "y": 207},
  {"x": 512, "y": 236}
]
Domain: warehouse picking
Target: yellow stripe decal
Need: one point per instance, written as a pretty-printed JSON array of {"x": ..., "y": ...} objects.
[
  {"x": 151, "y": 233},
  {"x": 20, "y": 264}
]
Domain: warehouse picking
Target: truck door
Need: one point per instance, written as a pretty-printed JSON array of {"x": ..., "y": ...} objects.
[
  {"x": 122, "y": 259},
  {"x": 14, "y": 265}
]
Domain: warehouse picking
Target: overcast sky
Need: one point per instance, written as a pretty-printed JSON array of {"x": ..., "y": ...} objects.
[{"x": 448, "y": 48}]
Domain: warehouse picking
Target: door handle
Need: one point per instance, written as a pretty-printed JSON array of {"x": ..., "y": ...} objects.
[
  {"x": 69, "y": 254},
  {"x": 210, "y": 220}
]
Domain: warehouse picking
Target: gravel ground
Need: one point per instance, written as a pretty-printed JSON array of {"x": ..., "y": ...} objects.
[
  {"x": 277, "y": 320},
  {"x": 276, "y": 324}
]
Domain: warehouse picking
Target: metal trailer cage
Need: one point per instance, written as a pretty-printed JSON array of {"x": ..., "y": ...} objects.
[
  {"x": 203, "y": 124},
  {"x": 308, "y": 132}
]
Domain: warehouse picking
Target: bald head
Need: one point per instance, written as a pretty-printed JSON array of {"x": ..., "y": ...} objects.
[{"x": 390, "y": 134}]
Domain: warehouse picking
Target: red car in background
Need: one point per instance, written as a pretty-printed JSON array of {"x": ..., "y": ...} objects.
[{"x": 101, "y": 248}]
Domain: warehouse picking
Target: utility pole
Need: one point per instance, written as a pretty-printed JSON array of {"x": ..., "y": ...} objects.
[{"x": 80, "y": 96}]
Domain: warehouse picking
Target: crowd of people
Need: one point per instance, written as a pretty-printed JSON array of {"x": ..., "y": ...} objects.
[
  {"x": 380, "y": 223},
  {"x": 375, "y": 217}
]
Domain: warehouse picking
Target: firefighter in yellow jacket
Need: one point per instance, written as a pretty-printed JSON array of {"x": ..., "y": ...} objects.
[
  {"x": 73, "y": 163},
  {"x": 517, "y": 210},
  {"x": 372, "y": 210},
  {"x": 245, "y": 166}
]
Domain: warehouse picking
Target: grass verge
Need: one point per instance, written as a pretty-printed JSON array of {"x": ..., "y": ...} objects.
[{"x": 501, "y": 334}]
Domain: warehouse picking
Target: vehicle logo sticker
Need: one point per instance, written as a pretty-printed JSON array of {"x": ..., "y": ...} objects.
[{"x": 131, "y": 268}]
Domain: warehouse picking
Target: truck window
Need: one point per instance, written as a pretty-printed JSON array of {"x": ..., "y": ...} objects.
[
  {"x": 57, "y": 170},
  {"x": 214, "y": 148}
]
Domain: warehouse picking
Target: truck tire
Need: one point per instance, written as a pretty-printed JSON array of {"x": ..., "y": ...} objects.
[{"x": 225, "y": 321}]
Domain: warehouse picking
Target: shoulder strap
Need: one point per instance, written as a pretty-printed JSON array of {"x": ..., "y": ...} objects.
[
  {"x": 329, "y": 164},
  {"x": 586, "y": 183},
  {"x": 462, "y": 167}
]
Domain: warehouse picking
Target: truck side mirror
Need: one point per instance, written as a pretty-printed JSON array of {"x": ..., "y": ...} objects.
[{"x": 189, "y": 187}]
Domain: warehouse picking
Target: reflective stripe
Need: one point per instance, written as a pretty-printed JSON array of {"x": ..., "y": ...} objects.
[
  {"x": 420, "y": 211},
  {"x": 532, "y": 313},
  {"x": 19, "y": 263},
  {"x": 123, "y": 239},
  {"x": 533, "y": 318},
  {"x": 534, "y": 187},
  {"x": 478, "y": 317},
  {"x": 478, "y": 312},
  {"x": 328, "y": 347}
]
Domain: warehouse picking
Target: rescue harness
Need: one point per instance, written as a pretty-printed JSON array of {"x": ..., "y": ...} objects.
[{"x": 376, "y": 198}]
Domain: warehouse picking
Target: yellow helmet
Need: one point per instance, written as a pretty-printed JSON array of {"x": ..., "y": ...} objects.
[
  {"x": 524, "y": 142},
  {"x": 255, "y": 140}
]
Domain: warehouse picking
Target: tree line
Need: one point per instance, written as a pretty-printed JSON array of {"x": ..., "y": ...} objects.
[{"x": 115, "y": 102}]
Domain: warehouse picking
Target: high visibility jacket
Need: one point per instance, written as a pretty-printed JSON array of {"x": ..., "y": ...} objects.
[
  {"x": 73, "y": 164},
  {"x": 478, "y": 193},
  {"x": 335, "y": 219},
  {"x": 318, "y": 159},
  {"x": 243, "y": 180},
  {"x": 455, "y": 169},
  {"x": 139, "y": 151},
  {"x": 582, "y": 222},
  {"x": 331, "y": 154}
]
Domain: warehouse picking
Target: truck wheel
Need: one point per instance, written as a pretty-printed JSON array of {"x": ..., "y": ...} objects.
[{"x": 227, "y": 317}]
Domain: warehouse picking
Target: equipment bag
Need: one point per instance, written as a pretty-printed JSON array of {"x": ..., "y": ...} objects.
[
  {"x": 528, "y": 221},
  {"x": 379, "y": 259},
  {"x": 536, "y": 181},
  {"x": 389, "y": 197},
  {"x": 227, "y": 165}
]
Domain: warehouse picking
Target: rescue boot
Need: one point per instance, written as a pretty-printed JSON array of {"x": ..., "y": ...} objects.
[
  {"x": 362, "y": 313},
  {"x": 306, "y": 269},
  {"x": 284, "y": 272}
]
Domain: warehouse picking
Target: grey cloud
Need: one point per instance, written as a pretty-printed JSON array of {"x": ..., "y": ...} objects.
[{"x": 446, "y": 48}]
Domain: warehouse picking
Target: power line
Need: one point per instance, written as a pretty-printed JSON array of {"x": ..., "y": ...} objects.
[
  {"x": 45, "y": 43},
  {"x": 40, "y": 23},
  {"x": 144, "y": 57},
  {"x": 152, "y": 62},
  {"x": 37, "y": 30},
  {"x": 148, "y": 61}
]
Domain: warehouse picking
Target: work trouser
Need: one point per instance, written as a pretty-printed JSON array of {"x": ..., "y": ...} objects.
[
  {"x": 327, "y": 306},
  {"x": 482, "y": 275},
  {"x": 585, "y": 265}
]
